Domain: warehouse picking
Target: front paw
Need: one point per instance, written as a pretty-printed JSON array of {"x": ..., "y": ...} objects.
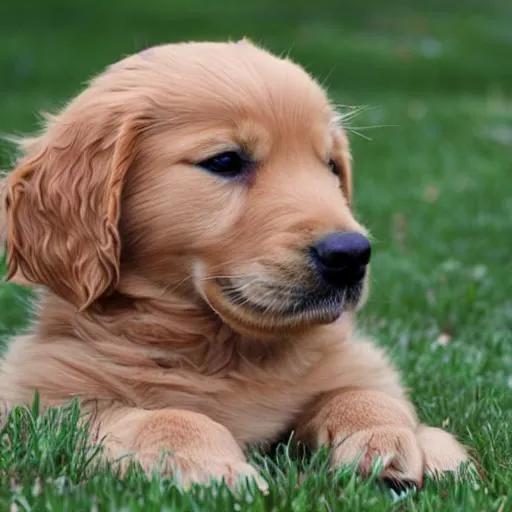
[
  {"x": 187, "y": 470},
  {"x": 398, "y": 449},
  {"x": 406, "y": 455},
  {"x": 442, "y": 452}
]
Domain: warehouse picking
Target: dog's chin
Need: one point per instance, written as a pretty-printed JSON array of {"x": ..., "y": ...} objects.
[{"x": 277, "y": 317}]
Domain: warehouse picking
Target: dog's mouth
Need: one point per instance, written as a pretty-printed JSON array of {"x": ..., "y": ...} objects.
[{"x": 277, "y": 306}]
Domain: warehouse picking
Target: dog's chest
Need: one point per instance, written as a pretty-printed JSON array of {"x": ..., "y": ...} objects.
[
  {"x": 256, "y": 405},
  {"x": 256, "y": 411},
  {"x": 262, "y": 413},
  {"x": 256, "y": 398}
]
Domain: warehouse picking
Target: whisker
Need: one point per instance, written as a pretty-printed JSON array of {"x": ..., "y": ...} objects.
[
  {"x": 170, "y": 290},
  {"x": 371, "y": 127},
  {"x": 323, "y": 82},
  {"x": 285, "y": 54},
  {"x": 348, "y": 128},
  {"x": 227, "y": 276},
  {"x": 350, "y": 112}
]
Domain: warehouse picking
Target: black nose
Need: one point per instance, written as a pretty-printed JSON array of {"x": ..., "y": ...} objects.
[{"x": 341, "y": 258}]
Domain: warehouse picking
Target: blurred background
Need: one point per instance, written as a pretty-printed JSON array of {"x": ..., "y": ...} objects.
[
  {"x": 415, "y": 47},
  {"x": 432, "y": 82}
]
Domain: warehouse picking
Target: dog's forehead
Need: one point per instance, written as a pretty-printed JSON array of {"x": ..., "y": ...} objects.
[{"x": 231, "y": 79}]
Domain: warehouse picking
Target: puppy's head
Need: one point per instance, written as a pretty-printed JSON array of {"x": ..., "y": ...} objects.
[{"x": 213, "y": 169}]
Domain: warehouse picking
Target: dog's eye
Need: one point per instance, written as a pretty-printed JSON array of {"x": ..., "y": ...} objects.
[
  {"x": 333, "y": 166},
  {"x": 229, "y": 164}
]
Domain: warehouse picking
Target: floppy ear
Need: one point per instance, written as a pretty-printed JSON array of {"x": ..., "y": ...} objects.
[{"x": 62, "y": 207}]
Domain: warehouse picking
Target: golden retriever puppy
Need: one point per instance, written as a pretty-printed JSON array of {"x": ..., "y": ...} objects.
[{"x": 189, "y": 216}]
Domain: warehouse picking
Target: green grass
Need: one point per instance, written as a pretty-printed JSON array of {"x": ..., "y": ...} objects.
[{"x": 432, "y": 184}]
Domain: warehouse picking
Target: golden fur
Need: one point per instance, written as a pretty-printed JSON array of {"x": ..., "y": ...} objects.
[{"x": 106, "y": 212}]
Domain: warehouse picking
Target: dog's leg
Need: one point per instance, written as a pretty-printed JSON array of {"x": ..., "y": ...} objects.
[
  {"x": 186, "y": 445},
  {"x": 373, "y": 418}
]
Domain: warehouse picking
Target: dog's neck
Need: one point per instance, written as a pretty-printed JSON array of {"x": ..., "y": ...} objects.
[{"x": 152, "y": 326}]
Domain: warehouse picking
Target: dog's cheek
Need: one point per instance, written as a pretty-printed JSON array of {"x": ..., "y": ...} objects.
[
  {"x": 182, "y": 212},
  {"x": 207, "y": 218}
]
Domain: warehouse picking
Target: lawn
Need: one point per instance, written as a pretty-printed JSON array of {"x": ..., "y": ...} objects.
[{"x": 432, "y": 146}]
